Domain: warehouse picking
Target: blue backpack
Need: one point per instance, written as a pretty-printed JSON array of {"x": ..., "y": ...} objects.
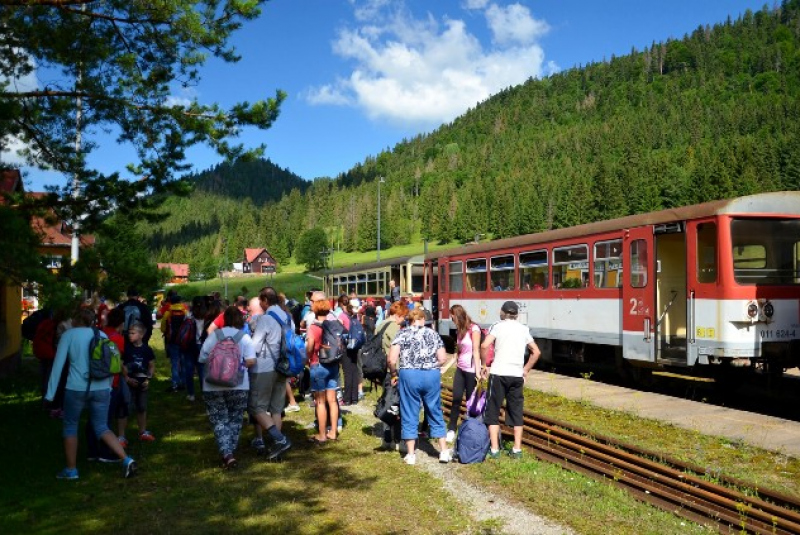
[
  {"x": 293, "y": 350},
  {"x": 472, "y": 443},
  {"x": 357, "y": 336}
]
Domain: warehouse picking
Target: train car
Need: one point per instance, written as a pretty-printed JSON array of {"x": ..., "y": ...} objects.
[
  {"x": 712, "y": 288},
  {"x": 372, "y": 280}
]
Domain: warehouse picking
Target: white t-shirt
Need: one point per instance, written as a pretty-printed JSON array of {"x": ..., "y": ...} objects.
[{"x": 511, "y": 339}]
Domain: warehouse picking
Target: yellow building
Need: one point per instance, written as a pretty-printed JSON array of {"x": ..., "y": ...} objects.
[{"x": 10, "y": 294}]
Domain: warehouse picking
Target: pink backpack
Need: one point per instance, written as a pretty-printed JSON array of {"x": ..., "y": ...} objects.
[{"x": 224, "y": 366}]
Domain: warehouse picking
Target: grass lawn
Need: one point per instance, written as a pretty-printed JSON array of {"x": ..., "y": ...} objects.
[
  {"x": 344, "y": 487},
  {"x": 294, "y": 285},
  {"x": 591, "y": 507}
]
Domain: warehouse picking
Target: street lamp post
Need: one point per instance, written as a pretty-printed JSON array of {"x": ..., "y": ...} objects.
[
  {"x": 380, "y": 181},
  {"x": 225, "y": 267}
]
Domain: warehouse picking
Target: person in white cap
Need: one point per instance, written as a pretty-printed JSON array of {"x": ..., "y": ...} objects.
[{"x": 507, "y": 376}]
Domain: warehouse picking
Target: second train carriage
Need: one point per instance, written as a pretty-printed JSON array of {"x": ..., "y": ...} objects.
[
  {"x": 372, "y": 279},
  {"x": 712, "y": 287}
]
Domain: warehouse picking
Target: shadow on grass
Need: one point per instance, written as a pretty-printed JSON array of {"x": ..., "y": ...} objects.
[{"x": 180, "y": 486}]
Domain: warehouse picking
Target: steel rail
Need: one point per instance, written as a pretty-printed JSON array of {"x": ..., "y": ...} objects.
[{"x": 661, "y": 485}]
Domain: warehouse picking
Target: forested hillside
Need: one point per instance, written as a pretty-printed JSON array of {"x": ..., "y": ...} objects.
[{"x": 713, "y": 115}]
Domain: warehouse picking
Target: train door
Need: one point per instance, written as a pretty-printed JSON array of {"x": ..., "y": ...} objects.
[
  {"x": 638, "y": 295},
  {"x": 671, "y": 296},
  {"x": 444, "y": 289}
]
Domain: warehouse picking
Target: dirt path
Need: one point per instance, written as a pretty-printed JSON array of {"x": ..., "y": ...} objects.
[{"x": 482, "y": 505}]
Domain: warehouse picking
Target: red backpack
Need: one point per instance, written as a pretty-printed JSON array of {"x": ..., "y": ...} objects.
[{"x": 44, "y": 341}]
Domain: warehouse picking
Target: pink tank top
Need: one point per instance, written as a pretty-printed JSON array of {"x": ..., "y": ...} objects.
[{"x": 465, "y": 361}]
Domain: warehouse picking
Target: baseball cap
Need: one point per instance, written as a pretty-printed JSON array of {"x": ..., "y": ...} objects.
[{"x": 510, "y": 307}]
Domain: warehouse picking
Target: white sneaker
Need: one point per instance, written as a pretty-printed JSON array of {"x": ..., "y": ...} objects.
[
  {"x": 410, "y": 459},
  {"x": 445, "y": 456},
  {"x": 293, "y": 408},
  {"x": 451, "y": 436}
]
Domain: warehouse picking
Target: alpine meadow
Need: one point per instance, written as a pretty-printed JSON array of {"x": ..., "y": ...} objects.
[{"x": 713, "y": 115}]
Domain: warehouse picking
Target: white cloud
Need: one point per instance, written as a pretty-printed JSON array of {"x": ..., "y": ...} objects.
[
  {"x": 185, "y": 97},
  {"x": 514, "y": 23},
  {"x": 427, "y": 71},
  {"x": 475, "y": 4}
]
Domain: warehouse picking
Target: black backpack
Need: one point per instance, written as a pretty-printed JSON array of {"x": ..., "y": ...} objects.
[
  {"x": 387, "y": 409},
  {"x": 373, "y": 357},
  {"x": 334, "y": 341}
]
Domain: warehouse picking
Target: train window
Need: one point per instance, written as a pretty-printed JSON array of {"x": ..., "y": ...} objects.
[
  {"x": 608, "y": 264},
  {"x": 372, "y": 284},
  {"x": 533, "y": 270},
  {"x": 639, "y": 263},
  {"x": 361, "y": 287},
  {"x": 456, "y": 281},
  {"x": 766, "y": 251},
  {"x": 502, "y": 273},
  {"x": 351, "y": 285},
  {"x": 417, "y": 278},
  {"x": 571, "y": 267},
  {"x": 707, "y": 252},
  {"x": 476, "y": 275}
]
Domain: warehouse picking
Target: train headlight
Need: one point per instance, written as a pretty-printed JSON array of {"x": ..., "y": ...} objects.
[
  {"x": 752, "y": 310},
  {"x": 768, "y": 310}
]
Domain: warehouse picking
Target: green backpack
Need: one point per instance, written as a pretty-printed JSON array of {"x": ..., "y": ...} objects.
[{"x": 104, "y": 358}]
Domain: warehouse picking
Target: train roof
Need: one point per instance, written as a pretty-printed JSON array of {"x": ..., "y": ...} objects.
[
  {"x": 774, "y": 203},
  {"x": 354, "y": 268}
]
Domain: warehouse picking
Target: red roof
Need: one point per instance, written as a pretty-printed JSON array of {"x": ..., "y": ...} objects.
[
  {"x": 180, "y": 270},
  {"x": 251, "y": 254},
  {"x": 52, "y": 230}
]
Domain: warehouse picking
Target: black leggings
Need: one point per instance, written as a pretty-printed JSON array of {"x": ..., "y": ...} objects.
[
  {"x": 351, "y": 376},
  {"x": 463, "y": 385}
]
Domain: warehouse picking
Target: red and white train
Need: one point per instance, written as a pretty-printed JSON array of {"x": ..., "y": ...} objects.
[{"x": 709, "y": 288}]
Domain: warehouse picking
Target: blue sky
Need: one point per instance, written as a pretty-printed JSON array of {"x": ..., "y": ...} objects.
[{"x": 362, "y": 75}]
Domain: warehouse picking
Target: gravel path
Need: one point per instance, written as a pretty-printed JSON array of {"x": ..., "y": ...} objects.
[{"x": 483, "y": 505}]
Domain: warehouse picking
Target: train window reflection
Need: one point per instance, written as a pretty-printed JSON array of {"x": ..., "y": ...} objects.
[
  {"x": 372, "y": 284},
  {"x": 571, "y": 267},
  {"x": 533, "y": 270},
  {"x": 707, "y": 252},
  {"x": 608, "y": 264},
  {"x": 456, "y": 284},
  {"x": 639, "y": 263},
  {"x": 766, "y": 251},
  {"x": 502, "y": 273},
  {"x": 476, "y": 275}
]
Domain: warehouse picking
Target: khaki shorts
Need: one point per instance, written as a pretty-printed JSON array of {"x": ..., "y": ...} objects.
[{"x": 267, "y": 393}]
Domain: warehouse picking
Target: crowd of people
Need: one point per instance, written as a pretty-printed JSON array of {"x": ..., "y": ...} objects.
[{"x": 204, "y": 332}]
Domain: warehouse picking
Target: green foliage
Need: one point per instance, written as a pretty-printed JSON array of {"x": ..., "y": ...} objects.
[
  {"x": 125, "y": 259},
  {"x": 122, "y": 61},
  {"x": 311, "y": 243},
  {"x": 713, "y": 115},
  {"x": 19, "y": 259}
]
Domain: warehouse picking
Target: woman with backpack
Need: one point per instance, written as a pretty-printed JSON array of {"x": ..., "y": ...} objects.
[
  {"x": 324, "y": 377},
  {"x": 94, "y": 394},
  {"x": 468, "y": 337},
  {"x": 415, "y": 360},
  {"x": 349, "y": 319},
  {"x": 226, "y": 400}
]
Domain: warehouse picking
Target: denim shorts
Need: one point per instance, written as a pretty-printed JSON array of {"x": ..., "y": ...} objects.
[
  {"x": 74, "y": 403},
  {"x": 324, "y": 377}
]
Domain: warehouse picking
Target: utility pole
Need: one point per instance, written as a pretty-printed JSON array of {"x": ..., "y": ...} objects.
[
  {"x": 76, "y": 183},
  {"x": 225, "y": 266},
  {"x": 380, "y": 181}
]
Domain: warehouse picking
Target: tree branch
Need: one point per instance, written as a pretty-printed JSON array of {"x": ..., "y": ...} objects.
[{"x": 45, "y": 3}]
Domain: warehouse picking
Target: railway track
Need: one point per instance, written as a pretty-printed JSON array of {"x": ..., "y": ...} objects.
[{"x": 658, "y": 480}]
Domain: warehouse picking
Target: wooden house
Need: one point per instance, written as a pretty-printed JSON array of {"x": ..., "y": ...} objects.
[
  {"x": 258, "y": 261},
  {"x": 180, "y": 272}
]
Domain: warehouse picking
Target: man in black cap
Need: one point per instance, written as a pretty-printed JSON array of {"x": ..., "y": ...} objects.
[{"x": 507, "y": 375}]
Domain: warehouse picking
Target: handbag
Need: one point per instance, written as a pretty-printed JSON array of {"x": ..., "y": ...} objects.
[{"x": 477, "y": 401}]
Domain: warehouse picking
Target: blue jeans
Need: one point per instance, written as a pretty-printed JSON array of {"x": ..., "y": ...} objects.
[
  {"x": 420, "y": 387},
  {"x": 174, "y": 354},
  {"x": 189, "y": 365},
  {"x": 74, "y": 403}
]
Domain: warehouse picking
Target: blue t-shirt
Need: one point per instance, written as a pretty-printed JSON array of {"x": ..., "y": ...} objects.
[{"x": 137, "y": 359}]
